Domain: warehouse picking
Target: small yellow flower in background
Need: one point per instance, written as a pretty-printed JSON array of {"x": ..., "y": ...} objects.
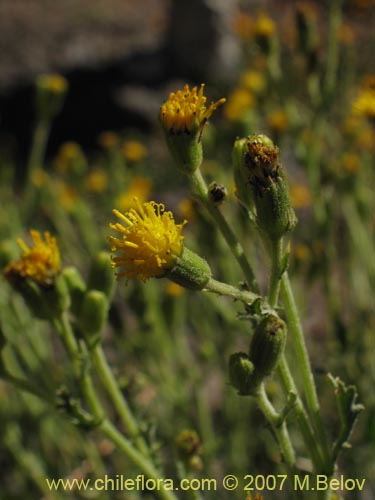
[
  {"x": 140, "y": 188},
  {"x": 66, "y": 195},
  {"x": 185, "y": 110},
  {"x": 257, "y": 496},
  {"x": 361, "y": 132},
  {"x": 54, "y": 83},
  {"x": 301, "y": 251},
  {"x": 277, "y": 121},
  {"x": 185, "y": 209},
  {"x": 173, "y": 289},
  {"x": 69, "y": 156},
  {"x": 350, "y": 162},
  {"x": 108, "y": 140},
  {"x": 364, "y": 104},
  {"x": 254, "y": 81},
  {"x": 243, "y": 26},
  {"x": 346, "y": 34},
  {"x": 134, "y": 151},
  {"x": 41, "y": 262},
  {"x": 150, "y": 241},
  {"x": 39, "y": 177},
  {"x": 239, "y": 103},
  {"x": 96, "y": 181},
  {"x": 300, "y": 196},
  {"x": 265, "y": 26}
]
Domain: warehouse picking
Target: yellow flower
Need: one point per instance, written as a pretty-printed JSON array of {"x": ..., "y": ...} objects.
[
  {"x": 254, "y": 81},
  {"x": 150, "y": 241},
  {"x": 140, "y": 188},
  {"x": 70, "y": 157},
  {"x": 265, "y": 26},
  {"x": 39, "y": 177},
  {"x": 108, "y": 140},
  {"x": 186, "y": 111},
  {"x": 277, "y": 120},
  {"x": 243, "y": 26},
  {"x": 351, "y": 162},
  {"x": 96, "y": 181},
  {"x": 41, "y": 262},
  {"x": 173, "y": 289},
  {"x": 239, "y": 102},
  {"x": 300, "y": 196},
  {"x": 54, "y": 83},
  {"x": 364, "y": 104},
  {"x": 134, "y": 151}
]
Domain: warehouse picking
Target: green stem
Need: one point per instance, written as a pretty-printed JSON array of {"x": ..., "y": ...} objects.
[
  {"x": 118, "y": 399},
  {"x": 274, "y": 286},
  {"x": 301, "y": 415},
  {"x": 295, "y": 328},
  {"x": 38, "y": 148},
  {"x": 97, "y": 410},
  {"x": 200, "y": 188},
  {"x": 279, "y": 428},
  {"x": 220, "y": 288},
  {"x": 283, "y": 368}
]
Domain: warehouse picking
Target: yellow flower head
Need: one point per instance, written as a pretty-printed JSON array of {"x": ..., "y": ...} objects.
[
  {"x": 41, "y": 262},
  {"x": 53, "y": 83},
  {"x": 186, "y": 111},
  {"x": 265, "y": 26},
  {"x": 108, "y": 140},
  {"x": 240, "y": 101},
  {"x": 364, "y": 104},
  {"x": 96, "y": 181},
  {"x": 150, "y": 241},
  {"x": 134, "y": 151}
]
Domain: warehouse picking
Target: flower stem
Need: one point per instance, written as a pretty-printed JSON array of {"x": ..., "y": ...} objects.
[
  {"x": 276, "y": 272},
  {"x": 296, "y": 331},
  {"x": 119, "y": 401},
  {"x": 278, "y": 427},
  {"x": 200, "y": 188},
  {"x": 231, "y": 291},
  {"x": 88, "y": 390}
]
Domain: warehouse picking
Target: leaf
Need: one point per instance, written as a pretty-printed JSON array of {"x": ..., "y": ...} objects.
[{"x": 349, "y": 408}]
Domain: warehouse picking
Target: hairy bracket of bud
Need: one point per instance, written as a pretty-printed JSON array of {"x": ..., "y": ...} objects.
[{"x": 261, "y": 185}]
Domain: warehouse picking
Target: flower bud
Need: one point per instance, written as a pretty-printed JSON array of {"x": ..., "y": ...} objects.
[
  {"x": 241, "y": 177},
  {"x": 76, "y": 287},
  {"x": 241, "y": 373},
  {"x": 94, "y": 312},
  {"x": 101, "y": 275},
  {"x": 50, "y": 94},
  {"x": 274, "y": 214},
  {"x": 267, "y": 345},
  {"x": 186, "y": 151},
  {"x": 217, "y": 193},
  {"x": 190, "y": 271}
]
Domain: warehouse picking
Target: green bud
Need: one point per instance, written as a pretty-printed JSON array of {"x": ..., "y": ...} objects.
[
  {"x": 217, "y": 193},
  {"x": 190, "y": 271},
  {"x": 241, "y": 176},
  {"x": 45, "y": 302},
  {"x": 267, "y": 346},
  {"x": 50, "y": 94},
  {"x": 186, "y": 150},
  {"x": 241, "y": 373},
  {"x": 274, "y": 214},
  {"x": 101, "y": 275},
  {"x": 76, "y": 287},
  {"x": 94, "y": 312}
]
